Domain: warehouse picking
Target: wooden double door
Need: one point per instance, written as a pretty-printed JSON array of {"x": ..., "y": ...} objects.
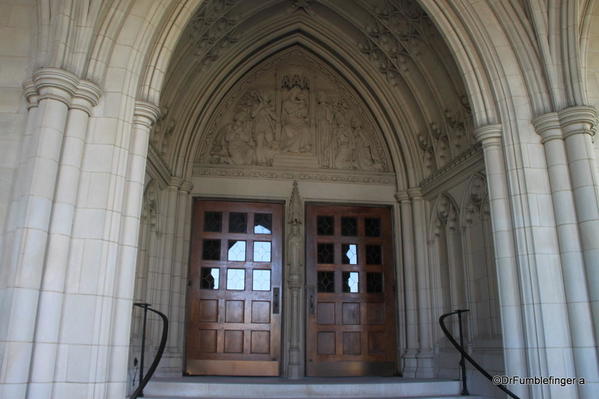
[
  {"x": 351, "y": 291},
  {"x": 235, "y": 285},
  {"x": 234, "y": 289}
]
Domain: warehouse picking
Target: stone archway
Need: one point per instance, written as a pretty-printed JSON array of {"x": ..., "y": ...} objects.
[{"x": 127, "y": 58}]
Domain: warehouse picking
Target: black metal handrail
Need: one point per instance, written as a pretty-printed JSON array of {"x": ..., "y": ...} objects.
[
  {"x": 466, "y": 356},
  {"x": 143, "y": 380}
]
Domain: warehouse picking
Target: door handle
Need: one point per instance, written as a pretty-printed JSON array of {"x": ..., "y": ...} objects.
[
  {"x": 311, "y": 301},
  {"x": 275, "y": 301}
]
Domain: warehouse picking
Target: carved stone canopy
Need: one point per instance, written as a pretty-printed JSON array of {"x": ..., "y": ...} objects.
[{"x": 293, "y": 111}]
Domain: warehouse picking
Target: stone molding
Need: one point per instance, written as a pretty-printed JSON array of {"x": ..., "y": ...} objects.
[
  {"x": 180, "y": 184},
  {"x": 548, "y": 127},
  {"x": 457, "y": 166},
  {"x": 402, "y": 196},
  {"x": 157, "y": 168},
  {"x": 578, "y": 120},
  {"x": 56, "y": 84},
  {"x": 31, "y": 94},
  {"x": 64, "y": 86},
  {"x": 86, "y": 96},
  {"x": 307, "y": 174},
  {"x": 186, "y": 186},
  {"x": 145, "y": 113},
  {"x": 415, "y": 193},
  {"x": 488, "y": 134},
  {"x": 175, "y": 182}
]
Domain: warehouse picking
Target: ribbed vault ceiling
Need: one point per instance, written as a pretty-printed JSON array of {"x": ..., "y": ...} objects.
[{"x": 388, "y": 50}]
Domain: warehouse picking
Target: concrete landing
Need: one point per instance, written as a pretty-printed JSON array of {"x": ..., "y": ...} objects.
[{"x": 307, "y": 388}]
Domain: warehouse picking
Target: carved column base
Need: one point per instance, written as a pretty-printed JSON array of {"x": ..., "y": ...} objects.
[
  {"x": 425, "y": 365},
  {"x": 410, "y": 363},
  {"x": 295, "y": 371}
]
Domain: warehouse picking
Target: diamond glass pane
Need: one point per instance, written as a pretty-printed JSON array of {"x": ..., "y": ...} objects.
[
  {"x": 325, "y": 225},
  {"x": 374, "y": 282},
  {"x": 326, "y": 281},
  {"x": 349, "y": 226},
  {"x": 262, "y": 223},
  {"x": 350, "y": 281},
  {"x": 349, "y": 254},
  {"x": 236, "y": 251},
  {"x": 213, "y": 221},
  {"x": 373, "y": 255},
  {"x": 238, "y": 222},
  {"x": 209, "y": 278},
  {"x": 236, "y": 279},
  {"x": 372, "y": 227},
  {"x": 262, "y": 251},
  {"x": 325, "y": 253},
  {"x": 211, "y": 250},
  {"x": 261, "y": 280}
]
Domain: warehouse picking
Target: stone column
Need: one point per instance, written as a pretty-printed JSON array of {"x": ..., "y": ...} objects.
[
  {"x": 59, "y": 240},
  {"x": 411, "y": 300},
  {"x": 514, "y": 347},
  {"x": 145, "y": 115},
  {"x": 425, "y": 353},
  {"x": 30, "y": 220},
  {"x": 166, "y": 304},
  {"x": 295, "y": 281},
  {"x": 178, "y": 286},
  {"x": 581, "y": 278}
]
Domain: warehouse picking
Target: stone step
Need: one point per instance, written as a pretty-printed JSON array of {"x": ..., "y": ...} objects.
[
  {"x": 394, "y": 397},
  {"x": 309, "y": 388}
]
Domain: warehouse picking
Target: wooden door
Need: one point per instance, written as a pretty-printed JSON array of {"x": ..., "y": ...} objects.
[
  {"x": 351, "y": 291},
  {"x": 234, "y": 289}
]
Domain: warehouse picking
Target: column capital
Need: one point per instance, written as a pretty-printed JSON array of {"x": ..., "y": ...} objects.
[
  {"x": 488, "y": 134},
  {"x": 402, "y": 196},
  {"x": 578, "y": 120},
  {"x": 180, "y": 184},
  {"x": 548, "y": 126},
  {"x": 175, "y": 182},
  {"x": 145, "y": 113},
  {"x": 186, "y": 186},
  {"x": 415, "y": 193},
  {"x": 86, "y": 96},
  {"x": 56, "y": 84},
  {"x": 30, "y": 93}
]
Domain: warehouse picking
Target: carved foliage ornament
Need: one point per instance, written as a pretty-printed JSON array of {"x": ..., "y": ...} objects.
[
  {"x": 477, "y": 200},
  {"x": 211, "y": 29},
  {"x": 293, "y": 112},
  {"x": 447, "y": 214}
]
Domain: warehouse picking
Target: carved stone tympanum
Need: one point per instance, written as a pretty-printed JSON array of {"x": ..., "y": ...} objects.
[{"x": 294, "y": 111}]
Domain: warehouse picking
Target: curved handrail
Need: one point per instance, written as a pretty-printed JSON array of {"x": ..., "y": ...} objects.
[
  {"x": 466, "y": 356},
  {"x": 154, "y": 365}
]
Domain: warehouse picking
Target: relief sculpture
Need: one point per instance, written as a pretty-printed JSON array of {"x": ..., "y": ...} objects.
[
  {"x": 293, "y": 114},
  {"x": 295, "y": 118},
  {"x": 264, "y": 126}
]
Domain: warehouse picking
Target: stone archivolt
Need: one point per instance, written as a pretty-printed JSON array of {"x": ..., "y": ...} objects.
[{"x": 293, "y": 111}]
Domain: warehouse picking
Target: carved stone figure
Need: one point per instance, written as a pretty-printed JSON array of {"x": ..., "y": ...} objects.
[
  {"x": 366, "y": 155},
  {"x": 295, "y": 121},
  {"x": 345, "y": 151},
  {"x": 325, "y": 116},
  {"x": 238, "y": 142},
  {"x": 264, "y": 129}
]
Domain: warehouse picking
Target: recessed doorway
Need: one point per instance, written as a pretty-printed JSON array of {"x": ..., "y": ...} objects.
[
  {"x": 234, "y": 289},
  {"x": 351, "y": 291}
]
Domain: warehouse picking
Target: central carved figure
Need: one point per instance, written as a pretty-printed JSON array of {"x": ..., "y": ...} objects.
[{"x": 296, "y": 122}]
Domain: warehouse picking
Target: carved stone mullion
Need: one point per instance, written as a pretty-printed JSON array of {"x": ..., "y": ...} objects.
[{"x": 295, "y": 280}]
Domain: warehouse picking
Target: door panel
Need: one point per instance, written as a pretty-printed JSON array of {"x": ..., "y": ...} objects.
[
  {"x": 233, "y": 295},
  {"x": 351, "y": 291}
]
